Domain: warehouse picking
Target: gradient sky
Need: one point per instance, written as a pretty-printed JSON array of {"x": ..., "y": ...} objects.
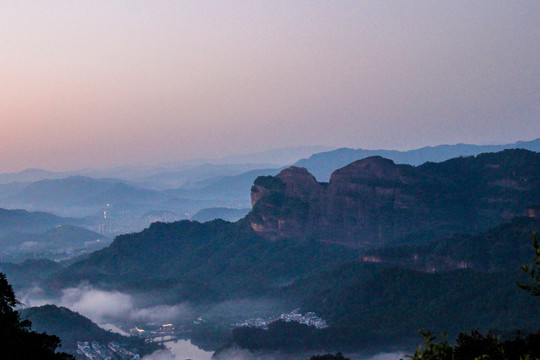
[{"x": 106, "y": 83}]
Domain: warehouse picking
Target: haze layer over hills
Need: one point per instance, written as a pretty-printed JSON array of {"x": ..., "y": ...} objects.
[
  {"x": 123, "y": 200},
  {"x": 381, "y": 243}
]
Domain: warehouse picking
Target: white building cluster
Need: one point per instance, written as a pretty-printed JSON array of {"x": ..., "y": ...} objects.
[
  {"x": 97, "y": 351},
  {"x": 309, "y": 318}
]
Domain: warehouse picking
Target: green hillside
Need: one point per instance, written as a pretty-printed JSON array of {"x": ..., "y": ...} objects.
[
  {"x": 71, "y": 327},
  {"x": 225, "y": 259}
]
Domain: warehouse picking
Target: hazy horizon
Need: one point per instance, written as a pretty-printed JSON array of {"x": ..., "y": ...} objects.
[
  {"x": 220, "y": 159},
  {"x": 101, "y": 84}
]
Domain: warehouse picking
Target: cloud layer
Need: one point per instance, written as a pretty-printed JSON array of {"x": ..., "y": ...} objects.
[{"x": 103, "y": 306}]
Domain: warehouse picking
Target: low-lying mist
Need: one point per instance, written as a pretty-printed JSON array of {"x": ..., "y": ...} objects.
[
  {"x": 242, "y": 354},
  {"x": 103, "y": 306},
  {"x": 111, "y": 309},
  {"x": 122, "y": 308},
  {"x": 183, "y": 349}
]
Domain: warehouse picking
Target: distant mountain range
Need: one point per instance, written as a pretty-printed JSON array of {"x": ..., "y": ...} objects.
[
  {"x": 79, "y": 191},
  {"x": 321, "y": 161},
  {"x": 21, "y": 221},
  {"x": 57, "y": 243},
  {"x": 369, "y": 203},
  {"x": 406, "y": 264},
  {"x": 175, "y": 174},
  {"x": 194, "y": 177},
  {"x": 322, "y": 165},
  {"x": 108, "y": 206},
  {"x": 181, "y": 189},
  {"x": 226, "y": 188},
  {"x": 113, "y": 206},
  {"x": 31, "y": 175},
  {"x": 227, "y": 214}
]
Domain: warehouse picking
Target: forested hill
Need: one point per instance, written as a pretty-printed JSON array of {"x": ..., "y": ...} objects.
[
  {"x": 211, "y": 260},
  {"x": 366, "y": 303},
  {"x": 294, "y": 218},
  {"x": 505, "y": 247},
  {"x": 22, "y": 221},
  {"x": 71, "y": 327},
  {"x": 379, "y": 306}
]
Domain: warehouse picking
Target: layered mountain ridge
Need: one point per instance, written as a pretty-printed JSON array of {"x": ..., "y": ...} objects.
[
  {"x": 373, "y": 201},
  {"x": 323, "y": 164},
  {"x": 286, "y": 250}
]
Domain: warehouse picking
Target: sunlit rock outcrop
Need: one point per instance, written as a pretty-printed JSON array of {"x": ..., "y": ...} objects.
[{"x": 375, "y": 201}]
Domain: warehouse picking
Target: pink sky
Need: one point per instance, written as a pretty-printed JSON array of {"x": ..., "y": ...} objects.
[{"x": 101, "y": 83}]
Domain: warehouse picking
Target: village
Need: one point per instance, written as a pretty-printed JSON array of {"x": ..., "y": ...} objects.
[
  {"x": 310, "y": 319},
  {"x": 113, "y": 351}
]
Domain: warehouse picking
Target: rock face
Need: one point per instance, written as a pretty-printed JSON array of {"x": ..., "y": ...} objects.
[
  {"x": 374, "y": 201},
  {"x": 281, "y": 204}
]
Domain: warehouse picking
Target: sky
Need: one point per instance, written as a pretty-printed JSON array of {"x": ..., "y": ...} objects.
[{"x": 109, "y": 83}]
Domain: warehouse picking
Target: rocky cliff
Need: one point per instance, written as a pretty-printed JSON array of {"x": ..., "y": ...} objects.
[{"x": 374, "y": 201}]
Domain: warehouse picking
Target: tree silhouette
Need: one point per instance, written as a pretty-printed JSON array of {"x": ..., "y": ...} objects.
[
  {"x": 17, "y": 341},
  {"x": 477, "y": 346},
  {"x": 533, "y": 270},
  {"x": 338, "y": 356}
]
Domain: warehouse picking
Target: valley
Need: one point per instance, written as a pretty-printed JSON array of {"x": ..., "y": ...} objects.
[{"x": 359, "y": 264}]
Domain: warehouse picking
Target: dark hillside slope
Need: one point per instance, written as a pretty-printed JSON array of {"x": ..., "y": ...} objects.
[
  {"x": 29, "y": 272},
  {"x": 60, "y": 242},
  {"x": 227, "y": 258},
  {"x": 79, "y": 191},
  {"x": 396, "y": 303},
  {"x": 369, "y": 305},
  {"x": 71, "y": 327},
  {"x": 404, "y": 301},
  {"x": 505, "y": 247},
  {"x": 366, "y": 303},
  {"x": 19, "y": 221}
]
